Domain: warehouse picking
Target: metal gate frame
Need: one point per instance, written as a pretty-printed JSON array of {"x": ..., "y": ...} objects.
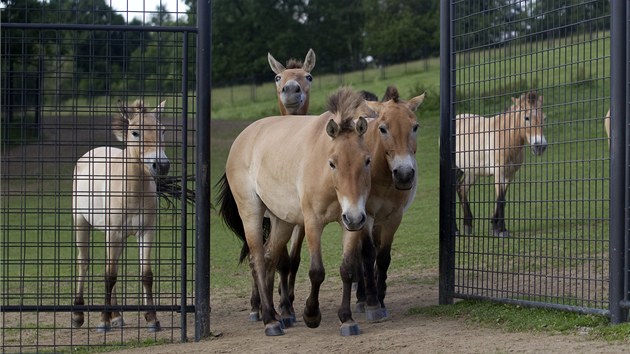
[
  {"x": 619, "y": 231},
  {"x": 201, "y": 306}
]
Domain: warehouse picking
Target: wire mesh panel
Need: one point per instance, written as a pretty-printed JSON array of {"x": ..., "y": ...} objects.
[
  {"x": 531, "y": 88},
  {"x": 86, "y": 80}
]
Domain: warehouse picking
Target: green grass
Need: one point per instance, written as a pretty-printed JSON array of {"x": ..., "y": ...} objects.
[{"x": 514, "y": 318}]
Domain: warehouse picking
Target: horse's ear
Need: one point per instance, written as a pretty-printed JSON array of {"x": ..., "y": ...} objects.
[
  {"x": 415, "y": 102},
  {"x": 123, "y": 110},
  {"x": 158, "y": 110},
  {"x": 275, "y": 65},
  {"x": 361, "y": 126},
  {"x": 309, "y": 61},
  {"x": 374, "y": 106},
  {"x": 332, "y": 128}
]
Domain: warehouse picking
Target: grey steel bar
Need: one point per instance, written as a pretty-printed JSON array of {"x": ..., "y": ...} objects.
[
  {"x": 618, "y": 163},
  {"x": 184, "y": 191},
  {"x": 95, "y": 27},
  {"x": 447, "y": 215},
  {"x": 202, "y": 174}
]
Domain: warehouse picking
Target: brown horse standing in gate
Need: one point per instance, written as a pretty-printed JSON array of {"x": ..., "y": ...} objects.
[
  {"x": 494, "y": 146},
  {"x": 287, "y": 168},
  {"x": 392, "y": 140},
  {"x": 293, "y": 83},
  {"x": 114, "y": 191}
]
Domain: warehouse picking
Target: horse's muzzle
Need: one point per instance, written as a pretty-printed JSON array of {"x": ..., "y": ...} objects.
[
  {"x": 539, "y": 149},
  {"x": 404, "y": 178},
  {"x": 160, "y": 167},
  {"x": 353, "y": 222}
]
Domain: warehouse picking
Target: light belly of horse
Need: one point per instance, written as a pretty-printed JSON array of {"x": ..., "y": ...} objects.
[{"x": 283, "y": 204}]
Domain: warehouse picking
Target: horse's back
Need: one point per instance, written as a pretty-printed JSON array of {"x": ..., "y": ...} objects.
[{"x": 268, "y": 158}]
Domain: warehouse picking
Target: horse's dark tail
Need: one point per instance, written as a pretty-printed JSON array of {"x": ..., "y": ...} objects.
[{"x": 228, "y": 210}]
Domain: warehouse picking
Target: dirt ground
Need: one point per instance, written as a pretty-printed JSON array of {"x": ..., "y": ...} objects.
[{"x": 400, "y": 333}]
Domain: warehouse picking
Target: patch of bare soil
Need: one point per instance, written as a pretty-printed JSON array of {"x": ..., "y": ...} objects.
[{"x": 400, "y": 333}]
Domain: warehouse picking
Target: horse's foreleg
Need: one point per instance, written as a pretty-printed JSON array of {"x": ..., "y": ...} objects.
[
  {"x": 312, "y": 315},
  {"x": 145, "y": 242},
  {"x": 498, "y": 219},
  {"x": 114, "y": 247},
  {"x": 82, "y": 235},
  {"x": 463, "y": 186}
]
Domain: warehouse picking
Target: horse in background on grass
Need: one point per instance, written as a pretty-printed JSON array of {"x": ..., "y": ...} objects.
[
  {"x": 293, "y": 83},
  {"x": 495, "y": 146}
]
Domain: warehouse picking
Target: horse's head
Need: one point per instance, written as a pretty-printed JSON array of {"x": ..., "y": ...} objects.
[
  {"x": 143, "y": 135},
  {"x": 397, "y": 130},
  {"x": 530, "y": 116},
  {"x": 293, "y": 83},
  {"x": 348, "y": 157}
]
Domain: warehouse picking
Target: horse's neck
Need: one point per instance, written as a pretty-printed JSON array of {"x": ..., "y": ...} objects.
[
  {"x": 508, "y": 123},
  {"x": 133, "y": 161}
]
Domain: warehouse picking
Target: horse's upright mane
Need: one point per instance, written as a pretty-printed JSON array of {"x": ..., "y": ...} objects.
[
  {"x": 294, "y": 64},
  {"x": 345, "y": 103},
  {"x": 531, "y": 97},
  {"x": 391, "y": 93}
]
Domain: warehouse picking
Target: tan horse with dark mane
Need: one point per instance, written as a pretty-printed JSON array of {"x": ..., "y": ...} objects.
[
  {"x": 114, "y": 191},
  {"x": 293, "y": 83},
  {"x": 299, "y": 170},
  {"x": 495, "y": 146}
]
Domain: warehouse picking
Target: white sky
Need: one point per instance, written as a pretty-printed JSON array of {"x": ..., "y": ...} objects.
[{"x": 135, "y": 7}]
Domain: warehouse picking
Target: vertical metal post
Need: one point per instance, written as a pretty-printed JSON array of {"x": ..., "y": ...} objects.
[
  {"x": 202, "y": 171},
  {"x": 184, "y": 197},
  {"x": 447, "y": 257},
  {"x": 618, "y": 191}
]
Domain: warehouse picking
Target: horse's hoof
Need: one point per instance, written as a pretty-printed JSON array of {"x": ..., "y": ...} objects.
[
  {"x": 154, "y": 327},
  {"x": 77, "y": 321},
  {"x": 312, "y": 321},
  {"x": 385, "y": 312},
  {"x": 498, "y": 233},
  {"x": 354, "y": 285},
  {"x": 274, "y": 329},
  {"x": 374, "y": 313},
  {"x": 349, "y": 329},
  {"x": 103, "y": 328},
  {"x": 287, "y": 321},
  {"x": 118, "y": 322},
  {"x": 254, "y": 316},
  {"x": 359, "y": 307}
]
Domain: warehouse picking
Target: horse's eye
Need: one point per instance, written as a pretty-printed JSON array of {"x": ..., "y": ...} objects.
[
  {"x": 382, "y": 129},
  {"x": 368, "y": 161},
  {"x": 135, "y": 134},
  {"x": 278, "y": 78},
  {"x": 309, "y": 78},
  {"x": 415, "y": 128},
  {"x": 332, "y": 165},
  {"x": 527, "y": 118}
]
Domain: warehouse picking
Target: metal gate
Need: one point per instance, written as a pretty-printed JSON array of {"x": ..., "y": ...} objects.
[
  {"x": 550, "y": 240},
  {"x": 64, "y": 67}
]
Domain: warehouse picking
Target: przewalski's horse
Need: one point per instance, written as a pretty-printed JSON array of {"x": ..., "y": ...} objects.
[
  {"x": 392, "y": 140},
  {"x": 301, "y": 170},
  {"x": 495, "y": 146},
  {"x": 293, "y": 83},
  {"x": 114, "y": 191}
]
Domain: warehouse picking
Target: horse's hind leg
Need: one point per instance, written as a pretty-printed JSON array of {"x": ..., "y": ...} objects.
[
  {"x": 144, "y": 245},
  {"x": 82, "y": 239},
  {"x": 464, "y": 182},
  {"x": 278, "y": 258},
  {"x": 498, "y": 219},
  {"x": 297, "y": 238},
  {"x": 254, "y": 313},
  {"x": 113, "y": 249}
]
